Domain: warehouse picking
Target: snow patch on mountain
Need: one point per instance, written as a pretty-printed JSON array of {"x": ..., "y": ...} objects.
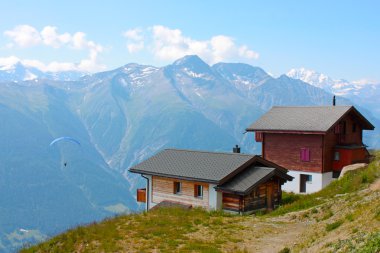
[{"x": 340, "y": 87}]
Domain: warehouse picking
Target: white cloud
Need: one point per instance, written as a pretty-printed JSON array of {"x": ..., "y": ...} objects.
[
  {"x": 134, "y": 34},
  {"x": 135, "y": 40},
  {"x": 363, "y": 82},
  {"x": 135, "y": 47},
  {"x": 50, "y": 37},
  {"x": 9, "y": 61},
  {"x": 25, "y": 36},
  {"x": 170, "y": 44}
]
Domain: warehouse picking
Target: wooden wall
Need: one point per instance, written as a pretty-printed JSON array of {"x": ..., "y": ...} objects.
[
  {"x": 332, "y": 139},
  {"x": 284, "y": 150},
  {"x": 255, "y": 200},
  {"x": 163, "y": 189}
]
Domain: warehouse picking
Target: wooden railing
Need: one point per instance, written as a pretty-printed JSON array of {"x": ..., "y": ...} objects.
[{"x": 141, "y": 195}]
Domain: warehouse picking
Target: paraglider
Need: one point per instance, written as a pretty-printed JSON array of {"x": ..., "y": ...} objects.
[{"x": 65, "y": 139}]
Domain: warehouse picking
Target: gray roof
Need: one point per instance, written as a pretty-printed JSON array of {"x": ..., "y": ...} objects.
[
  {"x": 189, "y": 164},
  {"x": 247, "y": 179},
  {"x": 297, "y": 118}
]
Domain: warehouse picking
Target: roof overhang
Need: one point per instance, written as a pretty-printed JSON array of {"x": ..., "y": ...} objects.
[
  {"x": 276, "y": 172},
  {"x": 174, "y": 176},
  {"x": 257, "y": 159},
  {"x": 366, "y": 125},
  {"x": 278, "y": 131}
]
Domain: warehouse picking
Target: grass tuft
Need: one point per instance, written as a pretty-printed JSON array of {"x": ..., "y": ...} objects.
[{"x": 334, "y": 225}]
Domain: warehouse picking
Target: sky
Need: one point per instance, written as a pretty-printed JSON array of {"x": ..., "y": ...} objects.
[{"x": 337, "y": 38}]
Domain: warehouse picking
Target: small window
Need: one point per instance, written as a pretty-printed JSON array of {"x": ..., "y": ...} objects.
[
  {"x": 305, "y": 155},
  {"x": 337, "y": 129},
  {"x": 344, "y": 127},
  {"x": 336, "y": 156},
  {"x": 309, "y": 178},
  {"x": 177, "y": 187},
  {"x": 198, "y": 191},
  {"x": 258, "y": 136},
  {"x": 354, "y": 128}
]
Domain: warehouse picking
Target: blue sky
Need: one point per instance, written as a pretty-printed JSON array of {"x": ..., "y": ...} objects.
[{"x": 338, "y": 38}]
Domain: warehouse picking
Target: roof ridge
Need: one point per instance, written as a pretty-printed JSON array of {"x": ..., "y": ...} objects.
[
  {"x": 210, "y": 152},
  {"x": 310, "y": 106}
]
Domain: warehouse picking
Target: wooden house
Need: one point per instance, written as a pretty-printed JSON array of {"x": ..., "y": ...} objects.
[
  {"x": 313, "y": 143},
  {"x": 229, "y": 181}
]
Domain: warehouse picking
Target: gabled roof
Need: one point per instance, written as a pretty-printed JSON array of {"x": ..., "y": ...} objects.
[
  {"x": 202, "y": 166},
  {"x": 251, "y": 177},
  {"x": 192, "y": 165},
  {"x": 305, "y": 118}
]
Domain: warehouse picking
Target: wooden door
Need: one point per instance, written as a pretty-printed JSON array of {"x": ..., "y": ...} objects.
[{"x": 270, "y": 196}]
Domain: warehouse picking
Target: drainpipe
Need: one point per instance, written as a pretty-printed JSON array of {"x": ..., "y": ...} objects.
[{"x": 147, "y": 192}]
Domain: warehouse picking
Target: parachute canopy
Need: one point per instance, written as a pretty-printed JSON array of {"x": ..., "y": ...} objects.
[{"x": 65, "y": 138}]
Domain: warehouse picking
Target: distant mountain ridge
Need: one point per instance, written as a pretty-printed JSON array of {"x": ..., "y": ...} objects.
[
  {"x": 19, "y": 72},
  {"x": 122, "y": 117},
  {"x": 363, "y": 93}
]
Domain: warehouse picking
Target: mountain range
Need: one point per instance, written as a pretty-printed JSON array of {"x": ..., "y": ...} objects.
[
  {"x": 122, "y": 117},
  {"x": 363, "y": 93}
]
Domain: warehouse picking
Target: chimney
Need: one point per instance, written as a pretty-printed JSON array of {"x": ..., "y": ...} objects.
[
  {"x": 334, "y": 100},
  {"x": 236, "y": 149}
]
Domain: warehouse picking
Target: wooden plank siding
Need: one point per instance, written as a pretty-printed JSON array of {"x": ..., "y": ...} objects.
[
  {"x": 163, "y": 189},
  {"x": 255, "y": 200},
  {"x": 346, "y": 137},
  {"x": 284, "y": 150}
]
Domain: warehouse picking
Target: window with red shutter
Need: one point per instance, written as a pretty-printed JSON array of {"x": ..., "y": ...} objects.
[
  {"x": 258, "y": 136},
  {"x": 305, "y": 154}
]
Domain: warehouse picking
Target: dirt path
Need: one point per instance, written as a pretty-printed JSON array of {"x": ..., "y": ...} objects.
[
  {"x": 375, "y": 186},
  {"x": 274, "y": 242},
  {"x": 272, "y": 235}
]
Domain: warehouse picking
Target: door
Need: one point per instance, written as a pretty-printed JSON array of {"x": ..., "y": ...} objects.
[
  {"x": 270, "y": 205},
  {"x": 303, "y": 179}
]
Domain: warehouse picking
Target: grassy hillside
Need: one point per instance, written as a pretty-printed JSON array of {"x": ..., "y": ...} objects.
[{"x": 344, "y": 217}]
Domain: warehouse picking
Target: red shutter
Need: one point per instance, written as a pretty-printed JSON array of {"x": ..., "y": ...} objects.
[
  {"x": 258, "y": 136},
  {"x": 305, "y": 154},
  {"x": 302, "y": 154}
]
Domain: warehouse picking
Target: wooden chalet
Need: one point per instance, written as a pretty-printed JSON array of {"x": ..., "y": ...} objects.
[
  {"x": 313, "y": 143},
  {"x": 229, "y": 181}
]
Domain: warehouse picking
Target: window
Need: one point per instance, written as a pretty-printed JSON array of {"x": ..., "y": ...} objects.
[
  {"x": 177, "y": 187},
  {"x": 309, "y": 178},
  {"x": 344, "y": 127},
  {"x": 258, "y": 136},
  {"x": 336, "y": 156},
  {"x": 198, "y": 191},
  {"x": 305, "y": 155},
  {"x": 337, "y": 129},
  {"x": 354, "y": 128}
]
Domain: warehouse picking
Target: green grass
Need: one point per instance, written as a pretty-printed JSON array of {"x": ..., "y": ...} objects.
[
  {"x": 360, "y": 243},
  {"x": 352, "y": 181},
  {"x": 165, "y": 229},
  {"x": 196, "y": 230},
  {"x": 334, "y": 225}
]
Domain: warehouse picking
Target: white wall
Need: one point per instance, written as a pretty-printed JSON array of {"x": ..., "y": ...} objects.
[
  {"x": 319, "y": 181},
  {"x": 215, "y": 198},
  {"x": 149, "y": 193}
]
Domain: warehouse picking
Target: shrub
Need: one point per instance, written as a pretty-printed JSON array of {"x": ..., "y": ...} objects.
[
  {"x": 285, "y": 250},
  {"x": 334, "y": 225}
]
